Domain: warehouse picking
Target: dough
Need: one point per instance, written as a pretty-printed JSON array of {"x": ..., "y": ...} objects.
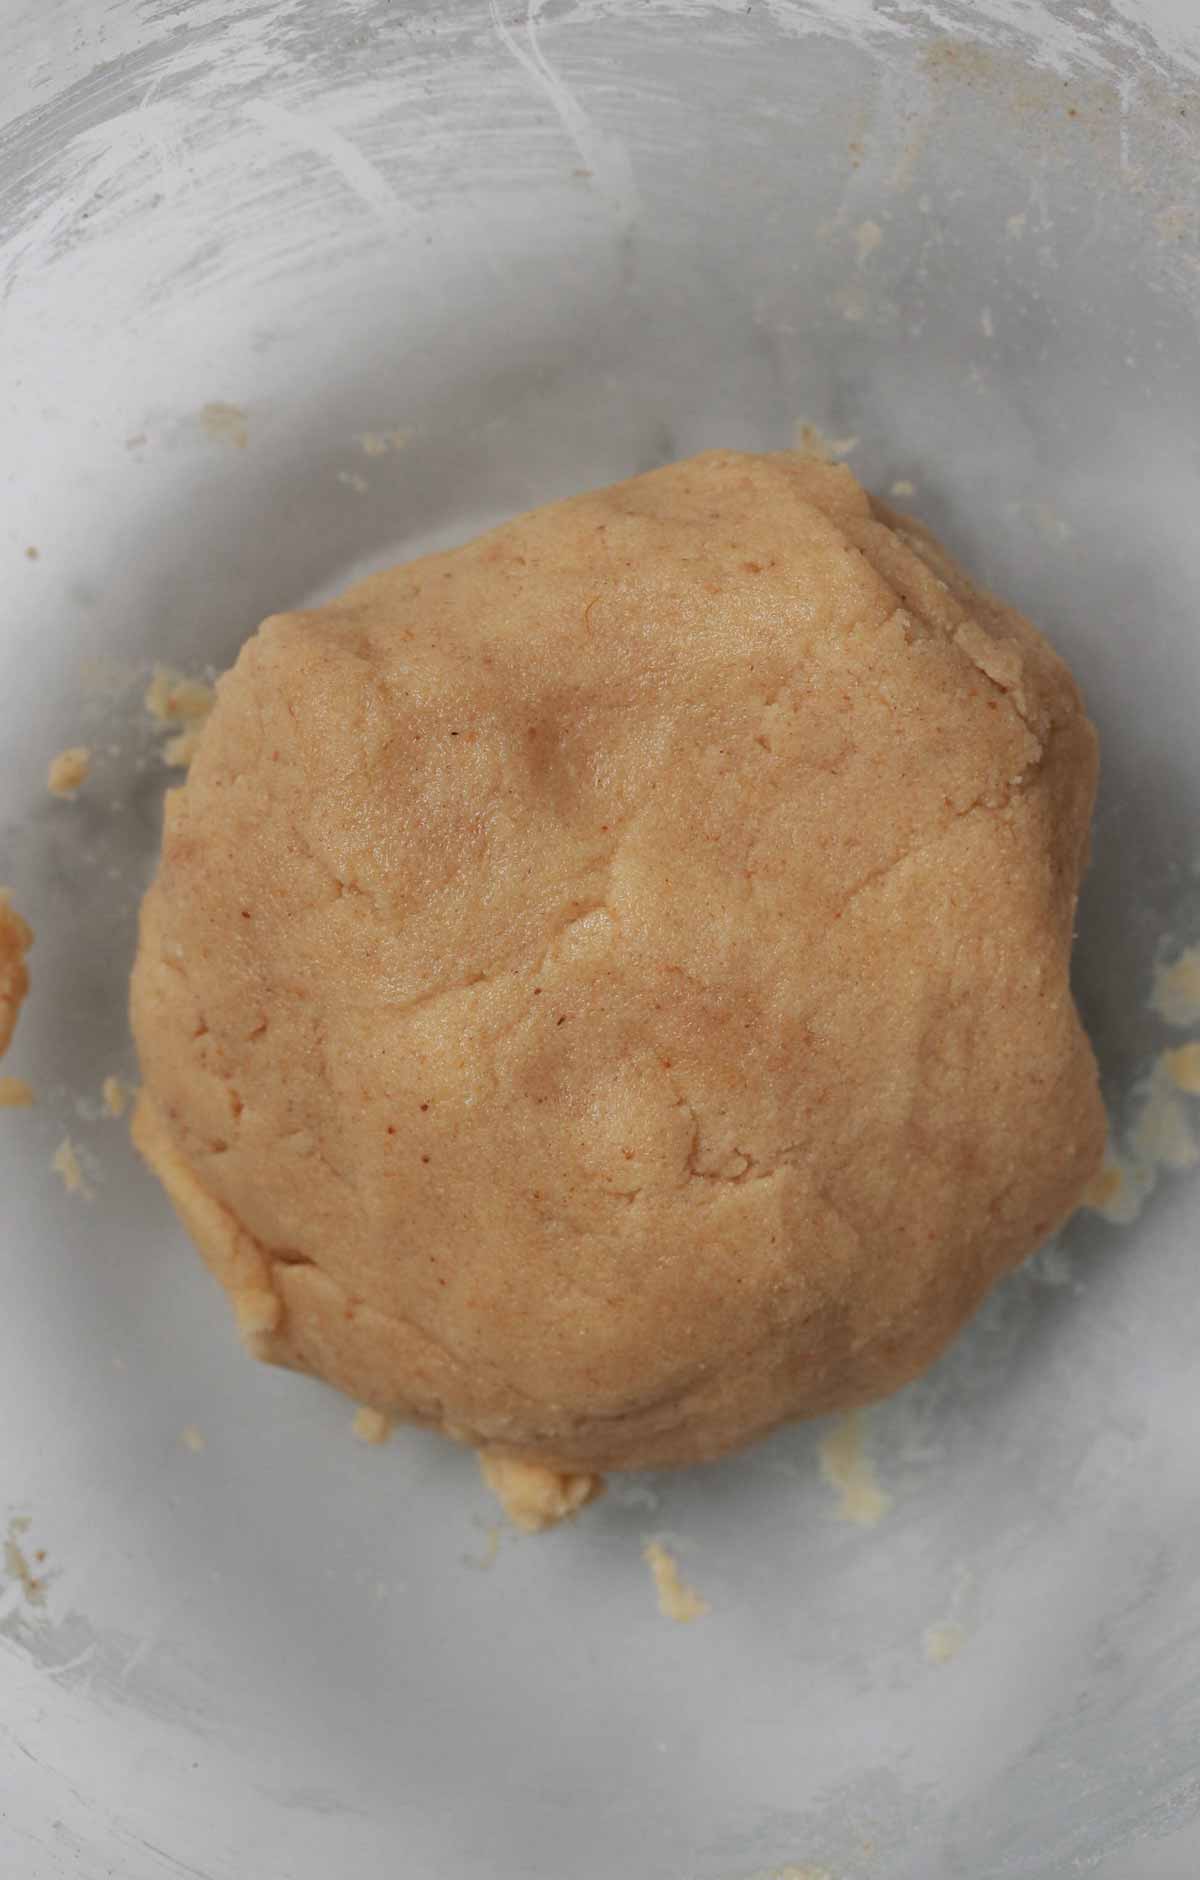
[
  {"x": 605, "y": 990},
  {"x": 371, "y": 1426},
  {"x": 16, "y": 938},
  {"x": 171, "y": 699},
  {"x": 848, "y": 1468},
  {"x": 534, "y": 1496},
  {"x": 676, "y": 1599},
  {"x": 68, "y": 771}
]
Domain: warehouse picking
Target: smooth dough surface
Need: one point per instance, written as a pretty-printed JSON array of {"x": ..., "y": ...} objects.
[{"x": 605, "y": 990}]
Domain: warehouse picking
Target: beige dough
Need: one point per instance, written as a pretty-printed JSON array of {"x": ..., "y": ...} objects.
[
  {"x": 676, "y": 1599},
  {"x": 848, "y": 1468},
  {"x": 16, "y": 938},
  {"x": 605, "y": 990},
  {"x": 534, "y": 1496},
  {"x": 69, "y": 771},
  {"x": 371, "y": 1426}
]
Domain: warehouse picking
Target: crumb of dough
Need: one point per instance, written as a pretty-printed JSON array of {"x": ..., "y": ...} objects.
[
  {"x": 1176, "y": 993},
  {"x": 944, "y": 1641},
  {"x": 171, "y": 696},
  {"x": 1183, "y": 1068},
  {"x": 676, "y": 1599},
  {"x": 192, "y": 1439},
  {"x": 1108, "y": 1191},
  {"x": 16, "y": 938},
  {"x": 179, "y": 751},
  {"x": 68, "y": 770},
  {"x": 258, "y": 1312},
  {"x": 114, "y": 1096},
  {"x": 1160, "y": 1136},
  {"x": 534, "y": 1496},
  {"x": 1163, "y": 1137},
  {"x": 595, "y": 961},
  {"x": 902, "y": 487},
  {"x": 65, "y": 1163},
  {"x": 371, "y": 1426},
  {"x": 1119, "y": 1190},
  {"x": 17, "y": 1564},
  {"x": 225, "y": 424},
  {"x": 847, "y": 1468},
  {"x": 15, "y": 1094},
  {"x": 378, "y": 443},
  {"x": 174, "y": 699},
  {"x": 813, "y": 442}
]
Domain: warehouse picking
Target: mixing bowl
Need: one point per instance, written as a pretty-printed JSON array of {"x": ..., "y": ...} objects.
[{"x": 291, "y": 289}]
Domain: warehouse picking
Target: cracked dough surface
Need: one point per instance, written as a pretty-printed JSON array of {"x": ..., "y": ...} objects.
[{"x": 605, "y": 990}]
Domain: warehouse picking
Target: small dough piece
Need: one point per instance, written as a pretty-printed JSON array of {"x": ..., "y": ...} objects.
[
  {"x": 114, "y": 1096},
  {"x": 1177, "y": 989},
  {"x": 171, "y": 697},
  {"x": 1183, "y": 1068},
  {"x": 257, "y": 1311},
  {"x": 534, "y": 1496},
  {"x": 15, "y": 1094},
  {"x": 65, "y": 1163},
  {"x": 69, "y": 770},
  {"x": 847, "y": 1467},
  {"x": 944, "y": 1641},
  {"x": 371, "y": 1426},
  {"x": 174, "y": 699},
  {"x": 610, "y": 980},
  {"x": 1107, "y": 1188},
  {"x": 16, "y": 1562},
  {"x": 1162, "y": 1137},
  {"x": 16, "y": 938},
  {"x": 676, "y": 1599},
  {"x": 179, "y": 751}
]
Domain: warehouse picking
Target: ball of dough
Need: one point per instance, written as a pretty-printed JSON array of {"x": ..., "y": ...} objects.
[{"x": 605, "y": 990}]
